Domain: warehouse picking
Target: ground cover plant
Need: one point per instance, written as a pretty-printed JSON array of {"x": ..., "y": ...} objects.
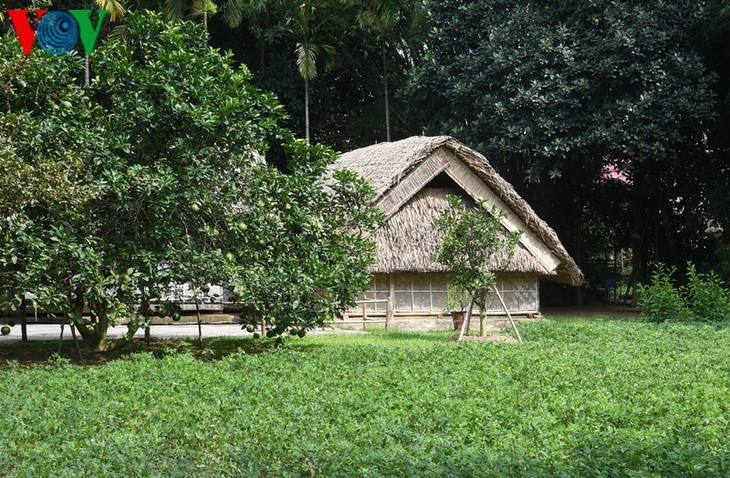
[{"x": 578, "y": 398}]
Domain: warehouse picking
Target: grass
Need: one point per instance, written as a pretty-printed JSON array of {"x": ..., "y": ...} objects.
[{"x": 578, "y": 398}]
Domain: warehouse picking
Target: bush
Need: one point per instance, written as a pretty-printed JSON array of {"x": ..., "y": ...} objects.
[
  {"x": 707, "y": 298},
  {"x": 661, "y": 301},
  {"x": 704, "y": 298}
]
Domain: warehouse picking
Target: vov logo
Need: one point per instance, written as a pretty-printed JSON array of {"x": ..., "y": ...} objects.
[{"x": 57, "y": 32}]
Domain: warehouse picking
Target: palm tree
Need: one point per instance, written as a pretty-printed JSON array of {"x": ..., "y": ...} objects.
[
  {"x": 389, "y": 21},
  {"x": 116, "y": 11},
  {"x": 308, "y": 49},
  {"x": 179, "y": 9}
]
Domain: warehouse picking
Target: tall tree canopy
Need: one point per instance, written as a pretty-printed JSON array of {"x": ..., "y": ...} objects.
[
  {"x": 347, "y": 107},
  {"x": 556, "y": 92}
]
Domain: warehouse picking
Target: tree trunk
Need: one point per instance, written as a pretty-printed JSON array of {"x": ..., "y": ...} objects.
[
  {"x": 95, "y": 336},
  {"x": 145, "y": 305},
  {"x": 482, "y": 317},
  {"x": 306, "y": 108},
  {"x": 87, "y": 71},
  {"x": 200, "y": 320},
  {"x": 387, "y": 96},
  {"x": 579, "y": 243},
  {"x": 262, "y": 56},
  {"x": 640, "y": 214},
  {"x": 205, "y": 22},
  {"x": 22, "y": 318}
]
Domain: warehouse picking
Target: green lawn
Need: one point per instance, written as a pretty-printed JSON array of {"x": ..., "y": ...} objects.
[{"x": 578, "y": 398}]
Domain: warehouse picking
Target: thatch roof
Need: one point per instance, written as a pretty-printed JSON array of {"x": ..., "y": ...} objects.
[
  {"x": 407, "y": 240},
  {"x": 412, "y": 251}
]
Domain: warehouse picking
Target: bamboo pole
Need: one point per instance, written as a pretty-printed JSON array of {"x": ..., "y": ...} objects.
[
  {"x": 509, "y": 316},
  {"x": 60, "y": 339},
  {"x": 467, "y": 319},
  {"x": 76, "y": 340}
]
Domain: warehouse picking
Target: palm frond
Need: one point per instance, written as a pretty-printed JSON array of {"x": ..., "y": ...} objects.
[
  {"x": 327, "y": 52},
  {"x": 306, "y": 60},
  {"x": 114, "y": 7},
  {"x": 119, "y": 32},
  {"x": 175, "y": 9},
  {"x": 233, "y": 12},
  {"x": 199, "y": 7}
]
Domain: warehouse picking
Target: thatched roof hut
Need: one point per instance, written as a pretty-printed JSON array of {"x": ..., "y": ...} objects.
[{"x": 412, "y": 179}]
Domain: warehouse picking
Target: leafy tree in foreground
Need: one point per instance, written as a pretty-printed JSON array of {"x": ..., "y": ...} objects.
[{"x": 179, "y": 190}]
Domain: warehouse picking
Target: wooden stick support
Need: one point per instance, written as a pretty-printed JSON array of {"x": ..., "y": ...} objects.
[
  {"x": 76, "y": 340},
  {"x": 467, "y": 319},
  {"x": 509, "y": 316}
]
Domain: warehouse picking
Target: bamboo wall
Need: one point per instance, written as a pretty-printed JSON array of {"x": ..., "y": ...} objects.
[{"x": 426, "y": 293}]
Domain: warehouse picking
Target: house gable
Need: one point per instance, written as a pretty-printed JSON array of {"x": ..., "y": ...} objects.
[{"x": 443, "y": 160}]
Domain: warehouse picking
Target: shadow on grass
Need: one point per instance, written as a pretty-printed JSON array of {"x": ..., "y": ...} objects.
[{"x": 39, "y": 352}]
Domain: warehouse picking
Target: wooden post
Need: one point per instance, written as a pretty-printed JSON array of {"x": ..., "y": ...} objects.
[
  {"x": 147, "y": 316},
  {"x": 364, "y": 312},
  {"x": 509, "y": 316},
  {"x": 200, "y": 319},
  {"x": 482, "y": 319},
  {"x": 21, "y": 319},
  {"x": 60, "y": 339},
  {"x": 76, "y": 340},
  {"x": 390, "y": 306}
]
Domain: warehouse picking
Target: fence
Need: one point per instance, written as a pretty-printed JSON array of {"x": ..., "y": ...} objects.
[{"x": 388, "y": 313}]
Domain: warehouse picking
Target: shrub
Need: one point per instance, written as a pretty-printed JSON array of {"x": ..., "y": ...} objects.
[
  {"x": 704, "y": 298},
  {"x": 661, "y": 301},
  {"x": 707, "y": 298}
]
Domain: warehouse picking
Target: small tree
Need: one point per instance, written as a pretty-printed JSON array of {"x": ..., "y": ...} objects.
[{"x": 474, "y": 243}]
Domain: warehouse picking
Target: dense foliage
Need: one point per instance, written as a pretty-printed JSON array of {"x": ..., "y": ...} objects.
[
  {"x": 571, "y": 95},
  {"x": 609, "y": 117},
  {"x": 703, "y": 297},
  {"x": 578, "y": 398},
  {"x": 564, "y": 84},
  {"x": 169, "y": 145},
  {"x": 558, "y": 96}
]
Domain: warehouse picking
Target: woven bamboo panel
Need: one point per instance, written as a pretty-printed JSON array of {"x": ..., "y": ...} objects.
[{"x": 426, "y": 293}]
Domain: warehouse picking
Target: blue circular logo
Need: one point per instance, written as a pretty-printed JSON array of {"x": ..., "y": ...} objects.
[{"x": 57, "y": 32}]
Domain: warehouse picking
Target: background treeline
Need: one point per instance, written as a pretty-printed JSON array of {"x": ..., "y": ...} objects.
[
  {"x": 557, "y": 95},
  {"x": 608, "y": 117}
]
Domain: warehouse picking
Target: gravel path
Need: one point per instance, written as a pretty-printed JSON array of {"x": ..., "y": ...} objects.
[{"x": 53, "y": 331}]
